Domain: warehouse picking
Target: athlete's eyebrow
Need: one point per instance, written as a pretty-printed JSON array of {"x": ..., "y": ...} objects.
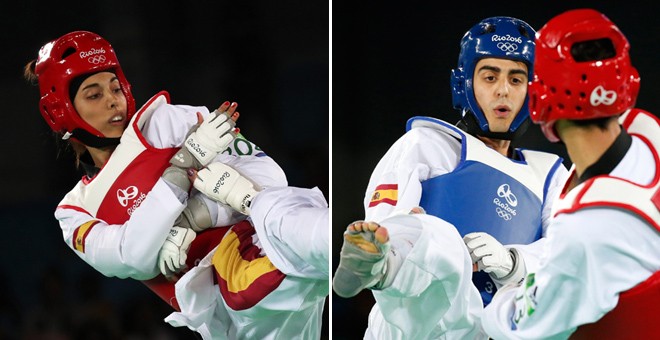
[
  {"x": 498, "y": 70},
  {"x": 518, "y": 71},
  {"x": 97, "y": 84},
  {"x": 490, "y": 68}
]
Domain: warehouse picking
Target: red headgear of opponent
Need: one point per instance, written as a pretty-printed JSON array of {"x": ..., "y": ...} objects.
[{"x": 584, "y": 88}]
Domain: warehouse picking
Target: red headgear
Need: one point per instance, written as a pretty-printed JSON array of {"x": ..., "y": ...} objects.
[
  {"x": 565, "y": 88},
  {"x": 60, "y": 61}
]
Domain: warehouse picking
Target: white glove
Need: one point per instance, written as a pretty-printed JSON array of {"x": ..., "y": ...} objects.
[
  {"x": 174, "y": 252},
  {"x": 206, "y": 141},
  {"x": 489, "y": 254},
  {"x": 222, "y": 183}
]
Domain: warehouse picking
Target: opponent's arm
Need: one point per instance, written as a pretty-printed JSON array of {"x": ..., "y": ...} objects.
[
  {"x": 224, "y": 184},
  {"x": 201, "y": 212},
  {"x": 292, "y": 223},
  {"x": 252, "y": 162}
]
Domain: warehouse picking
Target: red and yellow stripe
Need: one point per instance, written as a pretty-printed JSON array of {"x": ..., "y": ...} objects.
[
  {"x": 384, "y": 193},
  {"x": 80, "y": 234},
  {"x": 245, "y": 276}
]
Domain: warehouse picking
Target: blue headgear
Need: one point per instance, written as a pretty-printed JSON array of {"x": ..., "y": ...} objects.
[{"x": 496, "y": 37}]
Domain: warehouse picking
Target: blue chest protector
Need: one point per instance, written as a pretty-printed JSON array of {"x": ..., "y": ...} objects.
[{"x": 488, "y": 193}]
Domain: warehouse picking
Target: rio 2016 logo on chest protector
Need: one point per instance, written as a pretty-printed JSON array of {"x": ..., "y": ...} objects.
[
  {"x": 124, "y": 196},
  {"x": 505, "y": 210}
]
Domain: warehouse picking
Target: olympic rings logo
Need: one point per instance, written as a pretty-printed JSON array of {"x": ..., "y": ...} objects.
[
  {"x": 503, "y": 214},
  {"x": 97, "y": 59},
  {"x": 507, "y": 46},
  {"x": 601, "y": 96}
]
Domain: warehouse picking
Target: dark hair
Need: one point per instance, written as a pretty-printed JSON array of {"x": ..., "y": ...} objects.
[
  {"x": 592, "y": 50},
  {"x": 78, "y": 149},
  {"x": 600, "y": 122},
  {"x": 29, "y": 74}
]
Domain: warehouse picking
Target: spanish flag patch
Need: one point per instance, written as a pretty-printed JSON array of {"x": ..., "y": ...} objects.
[
  {"x": 245, "y": 276},
  {"x": 384, "y": 193},
  {"x": 81, "y": 233}
]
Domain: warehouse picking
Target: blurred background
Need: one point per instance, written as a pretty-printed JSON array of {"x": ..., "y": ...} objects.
[
  {"x": 392, "y": 61},
  {"x": 272, "y": 57}
]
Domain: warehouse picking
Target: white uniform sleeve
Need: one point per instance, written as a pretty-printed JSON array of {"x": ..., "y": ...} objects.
[
  {"x": 418, "y": 155},
  {"x": 293, "y": 228},
  {"x": 169, "y": 124},
  {"x": 432, "y": 295},
  {"x": 533, "y": 252},
  {"x": 129, "y": 250},
  {"x": 590, "y": 260}
]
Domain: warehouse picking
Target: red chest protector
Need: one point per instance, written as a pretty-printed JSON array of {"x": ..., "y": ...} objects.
[
  {"x": 637, "y": 313},
  {"x": 131, "y": 173}
]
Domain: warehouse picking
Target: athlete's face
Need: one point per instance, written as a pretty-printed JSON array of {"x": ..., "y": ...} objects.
[
  {"x": 101, "y": 103},
  {"x": 500, "y": 87}
]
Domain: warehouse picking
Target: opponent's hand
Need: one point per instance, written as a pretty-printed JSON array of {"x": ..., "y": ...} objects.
[
  {"x": 174, "y": 252},
  {"x": 222, "y": 183},
  {"x": 208, "y": 138},
  {"x": 489, "y": 254}
]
